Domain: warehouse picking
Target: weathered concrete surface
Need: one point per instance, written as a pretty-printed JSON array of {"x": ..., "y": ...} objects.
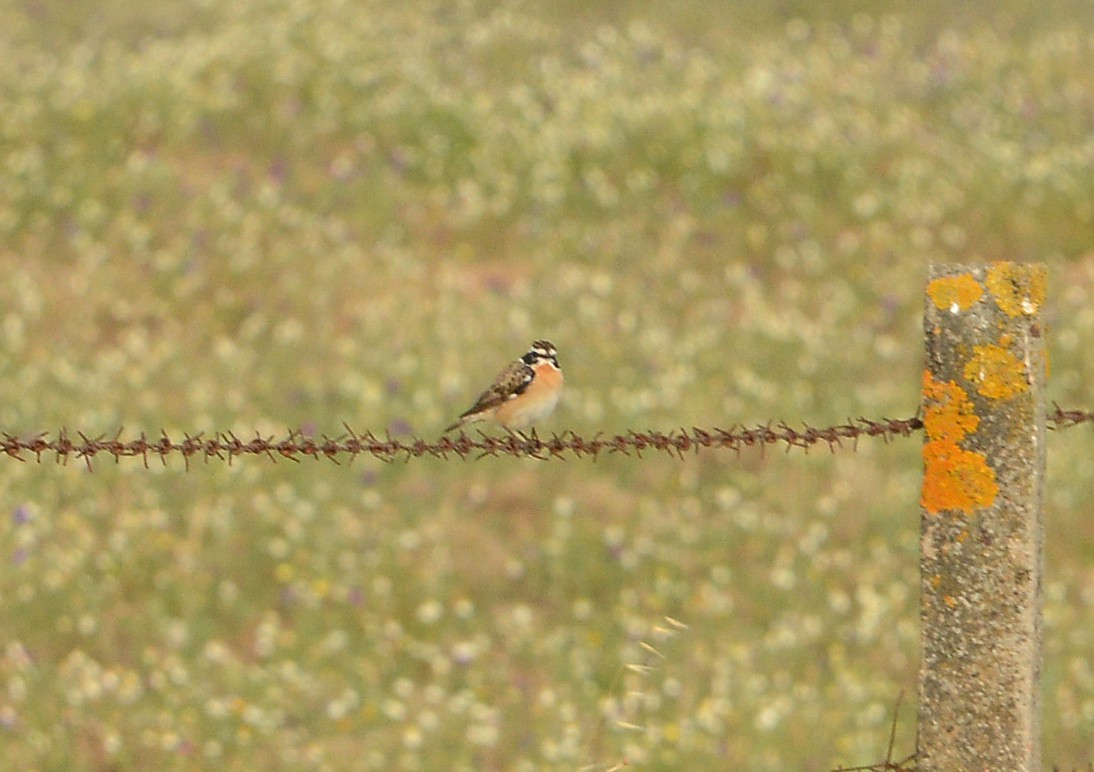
[{"x": 981, "y": 518}]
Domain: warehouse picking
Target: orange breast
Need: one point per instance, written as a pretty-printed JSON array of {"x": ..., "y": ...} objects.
[{"x": 537, "y": 401}]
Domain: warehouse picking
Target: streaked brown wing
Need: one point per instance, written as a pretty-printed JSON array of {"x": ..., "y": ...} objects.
[{"x": 511, "y": 381}]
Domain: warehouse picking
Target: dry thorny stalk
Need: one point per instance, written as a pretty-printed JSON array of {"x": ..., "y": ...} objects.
[
  {"x": 624, "y": 718},
  {"x": 907, "y": 764}
]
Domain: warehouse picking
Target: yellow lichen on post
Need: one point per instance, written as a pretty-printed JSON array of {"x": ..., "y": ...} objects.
[
  {"x": 1017, "y": 288},
  {"x": 997, "y": 373},
  {"x": 955, "y": 293},
  {"x": 981, "y": 522}
]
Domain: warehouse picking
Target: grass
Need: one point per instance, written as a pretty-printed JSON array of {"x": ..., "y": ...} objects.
[{"x": 297, "y": 214}]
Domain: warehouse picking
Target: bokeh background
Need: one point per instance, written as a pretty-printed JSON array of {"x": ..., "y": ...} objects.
[{"x": 259, "y": 215}]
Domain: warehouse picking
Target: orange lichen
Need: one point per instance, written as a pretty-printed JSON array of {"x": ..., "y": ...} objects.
[
  {"x": 1018, "y": 288},
  {"x": 997, "y": 373},
  {"x": 953, "y": 478},
  {"x": 955, "y": 293},
  {"x": 950, "y": 600},
  {"x": 948, "y": 412}
]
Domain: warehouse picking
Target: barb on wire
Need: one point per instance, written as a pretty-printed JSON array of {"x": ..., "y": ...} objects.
[
  {"x": 296, "y": 446},
  {"x": 1059, "y": 418}
]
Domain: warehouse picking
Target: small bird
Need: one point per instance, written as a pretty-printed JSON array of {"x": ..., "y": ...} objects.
[{"x": 523, "y": 393}]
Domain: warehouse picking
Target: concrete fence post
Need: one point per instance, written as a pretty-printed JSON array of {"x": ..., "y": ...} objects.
[{"x": 981, "y": 527}]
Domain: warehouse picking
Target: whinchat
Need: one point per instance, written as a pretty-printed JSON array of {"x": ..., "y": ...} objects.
[{"x": 522, "y": 394}]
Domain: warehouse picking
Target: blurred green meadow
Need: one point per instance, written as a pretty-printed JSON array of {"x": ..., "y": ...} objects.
[{"x": 259, "y": 215}]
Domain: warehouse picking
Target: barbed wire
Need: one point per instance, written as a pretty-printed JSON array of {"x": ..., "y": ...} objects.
[
  {"x": 1059, "y": 418},
  {"x": 296, "y": 445}
]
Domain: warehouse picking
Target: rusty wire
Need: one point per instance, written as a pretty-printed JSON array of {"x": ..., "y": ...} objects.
[
  {"x": 296, "y": 446},
  {"x": 1059, "y": 418}
]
